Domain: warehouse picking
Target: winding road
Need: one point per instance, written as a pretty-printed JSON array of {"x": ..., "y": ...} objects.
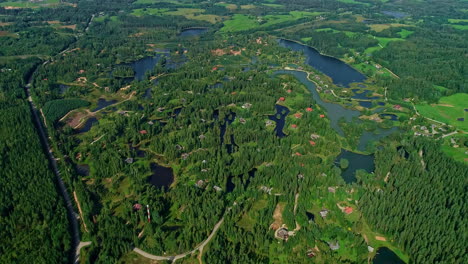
[
  {"x": 71, "y": 214},
  {"x": 182, "y": 255}
]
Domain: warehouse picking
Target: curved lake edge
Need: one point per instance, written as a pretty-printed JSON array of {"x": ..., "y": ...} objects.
[{"x": 323, "y": 54}]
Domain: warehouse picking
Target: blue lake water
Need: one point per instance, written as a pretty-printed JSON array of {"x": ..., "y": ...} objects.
[{"x": 341, "y": 73}]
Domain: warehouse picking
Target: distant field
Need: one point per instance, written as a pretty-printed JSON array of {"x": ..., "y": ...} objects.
[
  {"x": 29, "y": 4},
  {"x": 227, "y": 6},
  {"x": 195, "y": 14},
  {"x": 353, "y": 2},
  {"x": 155, "y": 1},
  {"x": 381, "y": 27},
  {"x": 241, "y": 22},
  {"x": 461, "y": 27},
  {"x": 149, "y": 11},
  {"x": 456, "y": 21},
  {"x": 448, "y": 110},
  {"x": 189, "y": 13}
]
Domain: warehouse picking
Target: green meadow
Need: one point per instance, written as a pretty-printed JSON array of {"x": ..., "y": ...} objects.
[{"x": 448, "y": 110}]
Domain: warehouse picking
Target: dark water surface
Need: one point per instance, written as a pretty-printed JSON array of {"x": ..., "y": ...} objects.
[
  {"x": 162, "y": 177},
  {"x": 192, "y": 32},
  {"x": 281, "y": 112},
  {"x": 356, "y": 162},
  {"x": 386, "y": 256},
  {"x": 340, "y": 72}
]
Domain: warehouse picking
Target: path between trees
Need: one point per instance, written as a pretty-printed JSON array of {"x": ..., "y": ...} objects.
[{"x": 183, "y": 255}]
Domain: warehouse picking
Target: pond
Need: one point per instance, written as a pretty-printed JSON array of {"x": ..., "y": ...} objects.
[
  {"x": 231, "y": 147},
  {"x": 148, "y": 94},
  {"x": 365, "y": 104},
  {"x": 386, "y": 256},
  {"x": 192, "y": 32},
  {"x": 280, "y": 118},
  {"x": 356, "y": 162},
  {"x": 228, "y": 119},
  {"x": 63, "y": 88},
  {"x": 392, "y": 117},
  {"x": 140, "y": 67},
  {"x": 310, "y": 216},
  {"x": 363, "y": 94},
  {"x": 162, "y": 177},
  {"x": 334, "y": 111},
  {"x": 101, "y": 103},
  {"x": 340, "y": 72},
  {"x": 368, "y": 136},
  {"x": 82, "y": 169},
  {"x": 88, "y": 125}
]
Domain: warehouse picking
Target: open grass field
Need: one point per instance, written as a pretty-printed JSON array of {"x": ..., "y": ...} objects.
[
  {"x": 456, "y": 153},
  {"x": 189, "y": 13},
  {"x": 227, "y": 6},
  {"x": 381, "y": 27},
  {"x": 461, "y": 27},
  {"x": 29, "y": 4},
  {"x": 149, "y": 11},
  {"x": 240, "y": 22},
  {"x": 456, "y": 21},
  {"x": 195, "y": 14},
  {"x": 448, "y": 110},
  {"x": 353, "y": 2}
]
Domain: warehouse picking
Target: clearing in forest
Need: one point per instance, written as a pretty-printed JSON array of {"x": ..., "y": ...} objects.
[
  {"x": 452, "y": 110},
  {"x": 278, "y": 216}
]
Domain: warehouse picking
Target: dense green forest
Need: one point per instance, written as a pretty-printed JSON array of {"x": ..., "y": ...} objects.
[
  {"x": 34, "y": 226},
  {"x": 191, "y": 110}
]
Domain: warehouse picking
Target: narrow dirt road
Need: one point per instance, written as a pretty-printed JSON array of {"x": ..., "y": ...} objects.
[{"x": 183, "y": 255}]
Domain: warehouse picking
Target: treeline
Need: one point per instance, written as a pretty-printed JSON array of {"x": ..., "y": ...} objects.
[
  {"x": 443, "y": 56},
  {"x": 33, "y": 222},
  {"x": 423, "y": 204},
  {"x": 54, "y": 110}
]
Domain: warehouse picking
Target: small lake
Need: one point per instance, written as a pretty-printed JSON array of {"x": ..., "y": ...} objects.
[
  {"x": 140, "y": 67},
  {"x": 386, "y": 256},
  {"x": 88, "y": 125},
  {"x": 341, "y": 73},
  {"x": 334, "y": 111},
  {"x": 162, "y": 177},
  {"x": 101, "y": 103},
  {"x": 192, "y": 32},
  {"x": 356, "y": 162},
  {"x": 280, "y": 119}
]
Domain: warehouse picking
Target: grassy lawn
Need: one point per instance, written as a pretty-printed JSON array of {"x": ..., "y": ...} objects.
[
  {"x": 456, "y": 153},
  {"x": 448, "y": 110}
]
